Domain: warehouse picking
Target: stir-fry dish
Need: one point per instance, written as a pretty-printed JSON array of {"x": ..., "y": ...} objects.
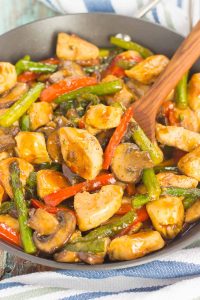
[{"x": 79, "y": 179}]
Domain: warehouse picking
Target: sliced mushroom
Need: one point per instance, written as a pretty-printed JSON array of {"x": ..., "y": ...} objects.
[
  {"x": 128, "y": 162},
  {"x": 94, "y": 209},
  {"x": 8, "y": 76},
  {"x": 7, "y": 142},
  {"x": 53, "y": 147},
  {"x": 193, "y": 213},
  {"x": 135, "y": 245},
  {"x": 19, "y": 89},
  {"x": 72, "y": 68},
  {"x": 51, "y": 243},
  {"x": 43, "y": 222}
]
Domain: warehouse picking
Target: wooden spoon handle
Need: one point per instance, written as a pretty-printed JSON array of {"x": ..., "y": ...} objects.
[{"x": 183, "y": 59}]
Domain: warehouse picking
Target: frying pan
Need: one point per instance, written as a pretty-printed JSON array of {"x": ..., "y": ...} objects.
[{"x": 38, "y": 39}]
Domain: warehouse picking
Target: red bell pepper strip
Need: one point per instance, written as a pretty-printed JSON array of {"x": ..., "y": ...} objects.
[
  {"x": 117, "y": 137},
  {"x": 91, "y": 185},
  {"x": 8, "y": 234},
  {"x": 65, "y": 86},
  {"x": 142, "y": 216},
  {"x": 50, "y": 209},
  {"x": 27, "y": 76},
  {"x": 51, "y": 61},
  {"x": 125, "y": 207}
]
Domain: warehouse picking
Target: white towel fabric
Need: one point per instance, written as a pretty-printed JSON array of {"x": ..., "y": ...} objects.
[{"x": 176, "y": 276}]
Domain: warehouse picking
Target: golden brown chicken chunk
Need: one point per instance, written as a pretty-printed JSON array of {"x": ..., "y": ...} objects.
[{"x": 189, "y": 164}]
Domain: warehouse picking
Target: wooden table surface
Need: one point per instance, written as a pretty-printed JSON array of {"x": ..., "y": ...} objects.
[{"x": 14, "y": 13}]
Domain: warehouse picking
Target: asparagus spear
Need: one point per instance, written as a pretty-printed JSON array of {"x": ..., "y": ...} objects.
[
  {"x": 188, "y": 201},
  {"x": 151, "y": 183},
  {"x": 31, "y": 186},
  {"x": 181, "y": 93},
  {"x": 110, "y": 230},
  {"x": 145, "y": 144},
  {"x": 25, "y": 123},
  {"x": 159, "y": 169},
  {"x": 20, "y": 202},
  {"x": 100, "y": 89},
  {"x": 130, "y": 46},
  {"x": 6, "y": 207},
  {"x": 91, "y": 246},
  {"x": 140, "y": 200},
  {"x": 26, "y": 65},
  {"x": 21, "y": 106},
  {"x": 181, "y": 192}
]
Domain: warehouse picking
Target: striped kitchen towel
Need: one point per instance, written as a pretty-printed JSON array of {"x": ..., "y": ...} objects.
[
  {"x": 170, "y": 13},
  {"x": 174, "y": 277}
]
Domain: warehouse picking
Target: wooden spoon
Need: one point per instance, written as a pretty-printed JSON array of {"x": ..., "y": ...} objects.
[{"x": 145, "y": 109}]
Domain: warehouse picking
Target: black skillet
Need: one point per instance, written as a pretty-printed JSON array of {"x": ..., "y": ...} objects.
[{"x": 38, "y": 39}]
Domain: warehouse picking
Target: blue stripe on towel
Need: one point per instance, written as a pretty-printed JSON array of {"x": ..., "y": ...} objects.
[
  {"x": 99, "y": 5},
  {"x": 8, "y": 285},
  {"x": 179, "y": 3},
  {"x": 155, "y": 15}
]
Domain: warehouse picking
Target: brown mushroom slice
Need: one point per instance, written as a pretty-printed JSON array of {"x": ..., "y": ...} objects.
[
  {"x": 193, "y": 213},
  {"x": 51, "y": 243},
  {"x": 53, "y": 147},
  {"x": 7, "y": 142},
  {"x": 19, "y": 89},
  {"x": 43, "y": 222},
  {"x": 128, "y": 162},
  {"x": 135, "y": 245}
]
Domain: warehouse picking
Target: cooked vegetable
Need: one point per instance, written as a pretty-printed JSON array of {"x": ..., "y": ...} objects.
[
  {"x": 6, "y": 207},
  {"x": 189, "y": 164},
  {"x": 159, "y": 169},
  {"x": 21, "y": 106},
  {"x": 43, "y": 222},
  {"x": 181, "y": 93},
  {"x": 25, "y": 123},
  {"x": 52, "y": 210},
  {"x": 151, "y": 183},
  {"x": 167, "y": 179},
  {"x": 178, "y": 137},
  {"x": 145, "y": 144},
  {"x": 65, "y": 86},
  {"x": 31, "y": 147},
  {"x": 16, "y": 92},
  {"x": 140, "y": 200},
  {"x": 31, "y": 186},
  {"x": 91, "y": 185},
  {"x": 117, "y": 137},
  {"x": 8, "y": 76},
  {"x": 50, "y": 181},
  {"x": 72, "y": 47},
  {"x": 167, "y": 215},
  {"x": 134, "y": 161},
  {"x": 9, "y": 234},
  {"x": 101, "y": 89},
  {"x": 18, "y": 196},
  {"x": 130, "y": 46},
  {"x": 193, "y": 213},
  {"x": 194, "y": 92},
  {"x": 40, "y": 113},
  {"x": 149, "y": 69},
  {"x": 135, "y": 245},
  {"x": 104, "y": 117},
  {"x": 51, "y": 243},
  {"x": 7, "y": 142},
  {"x": 81, "y": 152},
  {"x": 94, "y": 209},
  {"x": 181, "y": 192},
  {"x": 26, "y": 65},
  {"x": 25, "y": 170},
  {"x": 188, "y": 201},
  {"x": 27, "y": 77}
]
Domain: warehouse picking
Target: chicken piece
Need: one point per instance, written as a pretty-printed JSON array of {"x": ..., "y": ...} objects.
[
  {"x": 149, "y": 69},
  {"x": 187, "y": 118},
  {"x": 53, "y": 146},
  {"x": 81, "y": 152},
  {"x": 167, "y": 215},
  {"x": 10, "y": 222},
  {"x": 31, "y": 147},
  {"x": 43, "y": 222},
  {"x": 193, "y": 213},
  {"x": 50, "y": 181},
  {"x": 178, "y": 137},
  {"x": 101, "y": 116},
  {"x": 128, "y": 247},
  {"x": 25, "y": 170},
  {"x": 94, "y": 209},
  {"x": 8, "y": 76},
  {"x": 194, "y": 92},
  {"x": 167, "y": 179},
  {"x": 40, "y": 114},
  {"x": 72, "y": 47},
  {"x": 125, "y": 97},
  {"x": 189, "y": 164}
]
